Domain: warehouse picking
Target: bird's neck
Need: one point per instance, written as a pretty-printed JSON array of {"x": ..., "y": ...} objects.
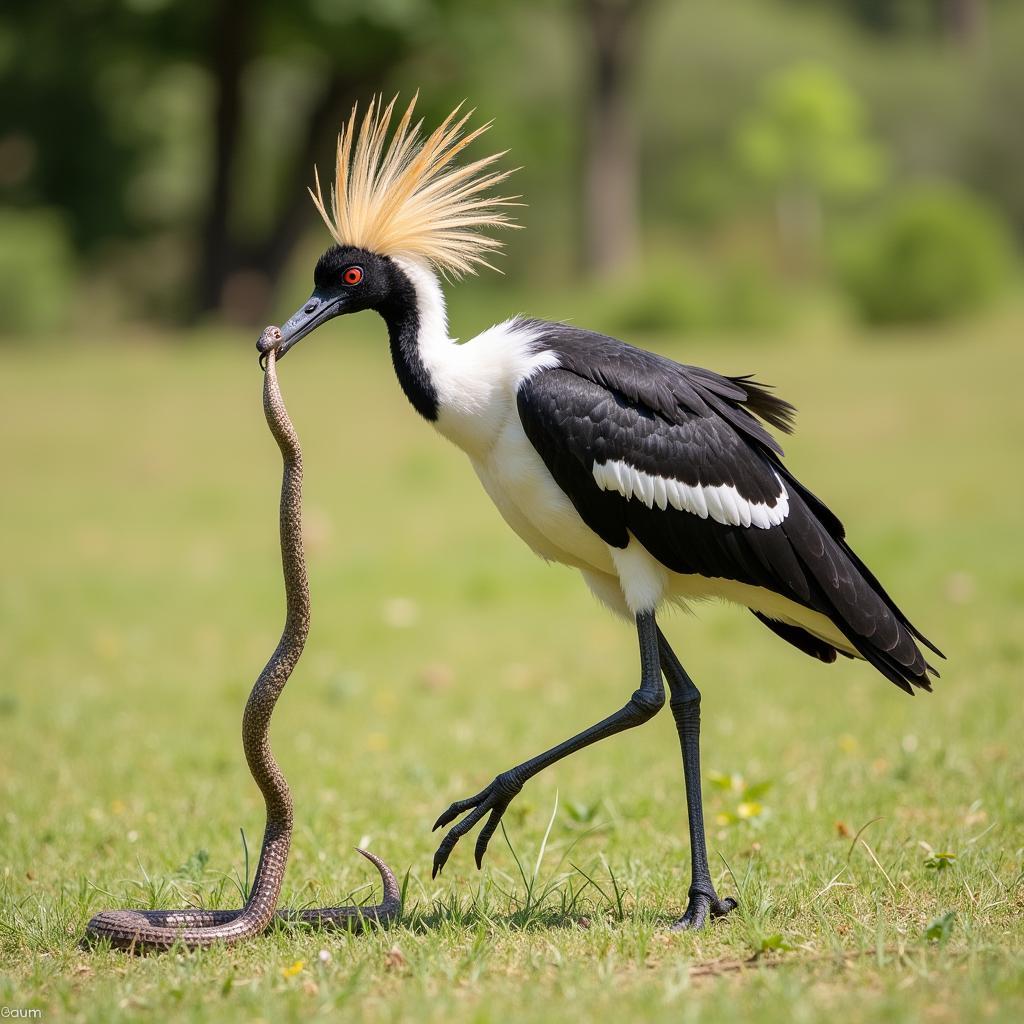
[
  {"x": 418, "y": 330},
  {"x": 466, "y": 391}
]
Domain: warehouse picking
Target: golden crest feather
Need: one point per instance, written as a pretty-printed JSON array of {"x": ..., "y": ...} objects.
[{"x": 406, "y": 198}]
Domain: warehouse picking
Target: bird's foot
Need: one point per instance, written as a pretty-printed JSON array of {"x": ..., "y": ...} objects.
[
  {"x": 494, "y": 798},
  {"x": 703, "y": 903}
]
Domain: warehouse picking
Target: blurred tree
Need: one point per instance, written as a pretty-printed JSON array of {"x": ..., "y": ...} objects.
[
  {"x": 63, "y": 73},
  {"x": 229, "y": 46},
  {"x": 806, "y": 140},
  {"x": 357, "y": 48},
  {"x": 83, "y": 133},
  {"x": 930, "y": 253},
  {"x": 962, "y": 20},
  {"x": 992, "y": 156},
  {"x": 169, "y": 144},
  {"x": 610, "y": 205}
]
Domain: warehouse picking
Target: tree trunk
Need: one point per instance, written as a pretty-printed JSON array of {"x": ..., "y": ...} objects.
[
  {"x": 964, "y": 20},
  {"x": 230, "y": 39},
  {"x": 334, "y": 102},
  {"x": 240, "y": 282},
  {"x": 610, "y": 177}
]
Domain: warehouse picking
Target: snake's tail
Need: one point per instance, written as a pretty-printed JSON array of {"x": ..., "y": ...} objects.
[
  {"x": 389, "y": 909},
  {"x": 354, "y": 918},
  {"x": 134, "y": 929}
]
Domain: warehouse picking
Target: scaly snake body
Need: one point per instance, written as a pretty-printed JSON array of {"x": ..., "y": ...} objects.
[{"x": 161, "y": 929}]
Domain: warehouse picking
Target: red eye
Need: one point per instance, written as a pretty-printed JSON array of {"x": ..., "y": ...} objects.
[{"x": 353, "y": 275}]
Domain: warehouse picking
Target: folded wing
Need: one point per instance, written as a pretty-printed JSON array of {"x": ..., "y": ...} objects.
[{"x": 676, "y": 457}]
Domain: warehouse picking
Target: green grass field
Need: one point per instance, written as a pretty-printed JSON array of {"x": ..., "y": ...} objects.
[{"x": 140, "y": 595}]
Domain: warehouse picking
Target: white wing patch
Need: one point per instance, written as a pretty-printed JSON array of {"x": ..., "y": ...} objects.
[{"x": 721, "y": 502}]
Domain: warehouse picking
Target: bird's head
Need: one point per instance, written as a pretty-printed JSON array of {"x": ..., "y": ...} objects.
[
  {"x": 347, "y": 279},
  {"x": 393, "y": 201}
]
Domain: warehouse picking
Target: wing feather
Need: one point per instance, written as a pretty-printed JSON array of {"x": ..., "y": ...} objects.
[{"x": 642, "y": 456}]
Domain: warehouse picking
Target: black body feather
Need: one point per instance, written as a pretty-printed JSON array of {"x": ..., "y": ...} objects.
[{"x": 610, "y": 401}]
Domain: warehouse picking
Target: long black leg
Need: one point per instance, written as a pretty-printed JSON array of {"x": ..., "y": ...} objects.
[
  {"x": 642, "y": 705},
  {"x": 702, "y": 899}
]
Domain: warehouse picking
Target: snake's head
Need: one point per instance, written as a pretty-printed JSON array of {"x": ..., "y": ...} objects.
[{"x": 268, "y": 341}]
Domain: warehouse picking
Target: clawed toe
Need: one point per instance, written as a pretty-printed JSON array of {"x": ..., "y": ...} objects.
[
  {"x": 701, "y": 906},
  {"x": 719, "y": 908},
  {"x": 494, "y": 799}
]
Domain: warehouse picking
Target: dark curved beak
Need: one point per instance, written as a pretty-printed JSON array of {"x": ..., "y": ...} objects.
[{"x": 318, "y": 308}]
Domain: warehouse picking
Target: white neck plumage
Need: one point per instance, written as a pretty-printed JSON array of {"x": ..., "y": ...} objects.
[
  {"x": 466, "y": 390},
  {"x": 432, "y": 316}
]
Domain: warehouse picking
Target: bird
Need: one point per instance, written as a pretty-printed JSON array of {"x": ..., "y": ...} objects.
[{"x": 662, "y": 483}]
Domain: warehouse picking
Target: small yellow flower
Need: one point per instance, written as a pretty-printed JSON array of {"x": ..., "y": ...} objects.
[{"x": 296, "y": 968}]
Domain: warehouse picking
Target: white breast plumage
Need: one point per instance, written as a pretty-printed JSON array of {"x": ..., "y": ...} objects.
[{"x": 533, "y": 504}]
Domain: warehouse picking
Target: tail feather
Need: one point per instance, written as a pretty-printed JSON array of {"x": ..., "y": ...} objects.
[
  {"x": 835, "y": 529},
  {"x": 761, "y": 402},
  {"x": 801, "y": 639},
  {"x": 851, "y": 596}
]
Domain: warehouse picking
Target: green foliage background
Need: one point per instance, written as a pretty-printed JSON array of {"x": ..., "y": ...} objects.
[{"x": 165, "y": 153}]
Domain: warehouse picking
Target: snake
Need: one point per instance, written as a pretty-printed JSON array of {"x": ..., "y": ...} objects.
[{"x": 155, "y": 930}]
